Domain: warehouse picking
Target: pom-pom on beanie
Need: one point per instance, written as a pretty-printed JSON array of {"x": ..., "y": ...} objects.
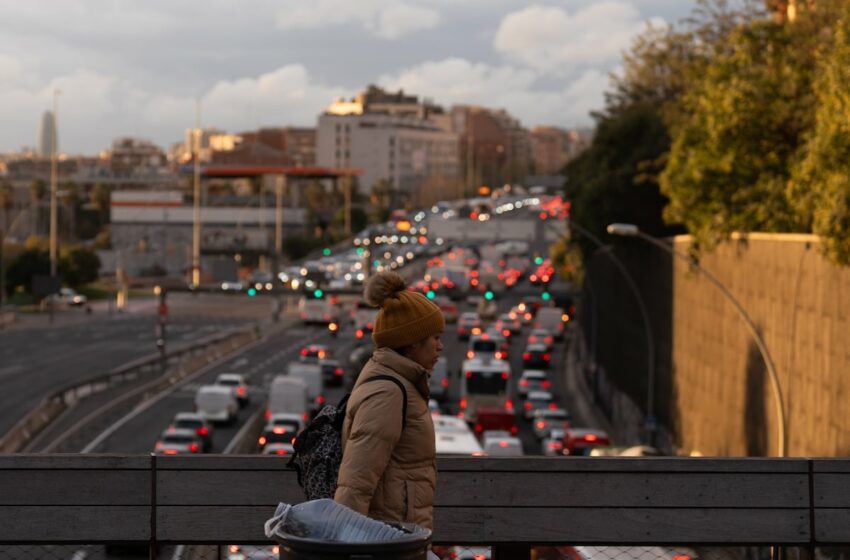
[{"x": 405, "y": 317}]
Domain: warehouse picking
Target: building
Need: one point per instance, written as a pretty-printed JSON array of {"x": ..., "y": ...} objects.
[
  {"x": 47, "y": 134},
  {"x": 552, "y": 148},
  {"x": 134, "y": 157},
  {"x": 392, "y": 137}
]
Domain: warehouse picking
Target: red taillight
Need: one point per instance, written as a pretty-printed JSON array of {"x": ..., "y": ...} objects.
[
  {"x": 370, "y": 326},
  {"x": 514, "y": 430},
  {"x": 474, "y": 282},
  {"x": 461, "y": 330},
  {"x": 338, "y": 371},
  {"x": 202, "y": 431},
  {"x": 240, "y": 391},
  {"x": 526, "y": 356},
  {"x": 262, "y": 440},
  {"x": 281, "y": 452},
  {"x": 523, "y": 382},
  {"x": 303, "y": 352},
  {"x": 170, "y": 452},
  {"x": 445, "y": 382},
  {"x": 556, "y": 445},
  {"x": 533, "y": 278},
  {"x": 470, "y": 354},
  {"x": 505, "y": 375},
  {"x": 158, "y": 445},
  {"x": 305, "y": 416},
  {"x": 506, "y": 332},
  {"x": 463, "y": 403},
  {"x": 553, "y": 406},
  {"x": 591, "y": 437},
  {"x": 279, "y": 430},
  {"x": 532, "y": 339},
  {"x": 193, "y": 448},
  {"x": 509, "y": 404},
  {"x": 468, "y": 374},
  {"x": 234, "y": 549},
  {"x": 546, "y": 383},
  {"x": 547, "y": 357},
  {"x": 527, "y": 405},
  {"x": 479, "y": 428},
  {"x": 503, "y": 444},
  {"x": 541, "y": 424},
  {"x": 359, "y": 333},
  {"x": 268, "y": 414},
  {"x": 320, "y": 400}
]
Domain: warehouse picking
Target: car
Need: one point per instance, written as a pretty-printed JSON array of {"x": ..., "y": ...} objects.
[
  {"x": 193, "y": 421},
  {"x": 508, "y": 325},
  {"x": 485, "y": 347},
  {"x": 251, "y": 552},
  {"x": 468, "y": 323},
  {"x": 312, "y": 353},
  {"x": 522, "y": 313},
  {"x": 503, "y": 447},
  {"x": 448, "y": 307},
  {"x": 332, "y": 371},
  {"x": 536, "y": 356},
  {"x": 439, "y": 379},
  {"x": 541, "y": 336},
  {"x": 489, "y": 418},
  {"x": 537, "y": 400},
  {"x": 216, "y": 403},
  {"x": 178, "y": 442},
  {"x": 231, "y": 286},
  {"x": 236, "y": 381},
  {"x": 434, "y": 406},
  {"x": 543, "y": 421},
  {"x": 470, "y": 553},
  {"x": 581, "y": 441},
  {"x": 281, "y": 428},
  {"x": 72, "y": 298},
  {"x": 533, "y": 380},
  {"x": 553, "y": 446},
  {"x": 278, "y": 449}
]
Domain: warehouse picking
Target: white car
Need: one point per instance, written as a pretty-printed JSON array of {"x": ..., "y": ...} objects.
[
  {"x": 537, "y": 400},
  {"x": 278, "y": 449},
  {"x": 237, "y": 383},
  {"x": 533, "y": 380},
  {"x": 553, "y": 446},
  {"x": 544, "y": 420},
  {"x": 503, "y": 447},
  {"x": 179, "y": 442},
  {"x": 216, "y": 403}
]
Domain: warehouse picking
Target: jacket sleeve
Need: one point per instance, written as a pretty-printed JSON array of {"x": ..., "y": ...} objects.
[{"x": 375, "y": 429}]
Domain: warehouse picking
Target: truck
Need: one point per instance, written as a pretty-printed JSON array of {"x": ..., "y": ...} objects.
[
  {"x": 216, "y": 403},
  {"x": 287, "y": 394},
  {"x": 311, "y": 374},
  {"x": 319, "y": 310}
]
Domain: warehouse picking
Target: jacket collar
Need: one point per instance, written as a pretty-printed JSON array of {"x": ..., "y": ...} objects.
[{"x": 405, "y": 367}]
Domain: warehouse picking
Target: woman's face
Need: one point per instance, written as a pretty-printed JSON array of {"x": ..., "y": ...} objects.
[{"x": 426, "y": 351}]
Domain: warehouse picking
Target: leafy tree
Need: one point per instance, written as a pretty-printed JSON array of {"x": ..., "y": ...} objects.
[
  {"x": 79, "y": 266},
  {"x": 7, "y": 199},
  {"x": 820, "y": 188},
  {"x": 21, "y": 270},
  {"x": 100, "y": 196}
]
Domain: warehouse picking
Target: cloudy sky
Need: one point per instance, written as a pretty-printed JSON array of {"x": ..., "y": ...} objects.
[{"x": 128, "y": 67}]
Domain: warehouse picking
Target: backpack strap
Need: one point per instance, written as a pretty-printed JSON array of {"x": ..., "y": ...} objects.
[{"x": 403, "y": 394}]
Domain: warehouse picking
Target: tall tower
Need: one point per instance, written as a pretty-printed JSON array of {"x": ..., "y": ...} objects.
[{"x": 46, "y": 134}]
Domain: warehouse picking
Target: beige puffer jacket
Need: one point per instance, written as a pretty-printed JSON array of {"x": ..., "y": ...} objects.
[{"x": 387, "y": 473}]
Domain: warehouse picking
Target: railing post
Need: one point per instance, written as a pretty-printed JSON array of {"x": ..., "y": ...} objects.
[
  {"x": 152, "y": 543},
  {"x": 512, "y": 552}
]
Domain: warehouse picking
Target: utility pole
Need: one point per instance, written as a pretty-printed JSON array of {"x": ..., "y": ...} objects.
[
  {"x": 347, "y": 194},
  {"x": 278, "y": 228},
  {"x": 196, "y": 211},
  {"x": 53, "y": 210}
]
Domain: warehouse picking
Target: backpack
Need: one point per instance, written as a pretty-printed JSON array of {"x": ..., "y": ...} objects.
[{"x": 318, "y": 448}]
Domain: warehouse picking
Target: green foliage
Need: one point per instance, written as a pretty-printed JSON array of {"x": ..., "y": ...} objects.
[
  {"x": 22, "y": 268},
  {"x": 78, "y": 266},
  {"x": 820, "y": 188}
]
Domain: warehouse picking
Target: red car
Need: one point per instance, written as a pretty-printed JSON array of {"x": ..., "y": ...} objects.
[
  {"x": 580, "y": 441},
  {"x": 495, "y": 418}
]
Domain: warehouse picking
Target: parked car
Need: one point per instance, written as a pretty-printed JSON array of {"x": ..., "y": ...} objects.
[
  {"x": 237, "y": 383},
  {"x": 195, "y": 422},
  {"x": 178, "y": 442}
]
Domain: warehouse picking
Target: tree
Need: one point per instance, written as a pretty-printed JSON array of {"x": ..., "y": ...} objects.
[
  {"x": 100, "y": 197},
  {"x": 316, "y": 195},
  {"x": 820, "y": 187},
  {"x": 38, "y": 189},
  {"x": 70, "y": 200},
  {"x": 79, "y": 266},
  {"x": 21, "y": 270},
  {"x": 7, "y": 200}
]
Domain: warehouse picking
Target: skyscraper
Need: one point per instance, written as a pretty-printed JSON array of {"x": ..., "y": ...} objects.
[{"x": 46, "y": 129}]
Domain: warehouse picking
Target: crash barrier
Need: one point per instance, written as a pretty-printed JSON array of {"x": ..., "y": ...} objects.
[
  {"x": 507, "y": 503},
  {"x": 184, "y": 360}
]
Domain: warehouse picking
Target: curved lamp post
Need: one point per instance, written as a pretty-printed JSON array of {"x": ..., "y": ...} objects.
[
  {"x": 631, "y": 230},
  {"x": 649, "y": 421}
]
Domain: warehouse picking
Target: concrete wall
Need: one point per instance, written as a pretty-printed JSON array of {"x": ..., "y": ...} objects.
[{"x": 712, "y": 388}]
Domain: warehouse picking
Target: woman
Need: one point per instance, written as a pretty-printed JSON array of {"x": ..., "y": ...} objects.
[{"x": 389, "y": 468}]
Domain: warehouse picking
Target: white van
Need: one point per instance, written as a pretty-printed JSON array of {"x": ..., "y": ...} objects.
[
  {"x": 439, "y": 381},
  {"x": 287, "y": 394},
  {"x": 216, "y": 403},
  {"x": 311, "y": 374}
]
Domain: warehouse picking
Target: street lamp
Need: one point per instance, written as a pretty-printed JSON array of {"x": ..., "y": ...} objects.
[
  {"x": 631, "y": 230},
  {"x": 650, "y": 420}
]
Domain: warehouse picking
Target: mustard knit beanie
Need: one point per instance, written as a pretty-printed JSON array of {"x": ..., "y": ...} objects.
[{"x": 405, "y": 317}]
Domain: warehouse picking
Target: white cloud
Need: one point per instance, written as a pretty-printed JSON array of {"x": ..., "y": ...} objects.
[
  {"x": 383, "y": 18},
  {"x": 459, "y": 81},
  {"x": 552, "y": 40}
]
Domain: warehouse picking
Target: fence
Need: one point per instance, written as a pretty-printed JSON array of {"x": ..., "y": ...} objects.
[{"x": 509, "y": 504}]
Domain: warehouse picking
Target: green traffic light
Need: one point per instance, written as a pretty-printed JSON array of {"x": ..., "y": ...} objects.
[
  {"x": 326, "y": 252},
  {"x": 546, "y": 296},
  {"x": 360, "y": 250},
  {"x": 376, "y": 263},
  {"x": 488, "y": 295},
  {"x": 538, "y": 260},
  {"x": 430, "y": 294},
  {"x": 318, "y": 293},
  {"x": 252, "y": 292}
]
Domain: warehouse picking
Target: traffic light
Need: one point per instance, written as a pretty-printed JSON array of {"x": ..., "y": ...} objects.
[
  {"x": 546, "y": 296},
  {"x": 430, "y": 294},
  {"x": 326, "y": 252},
  {"x": 488, "y": 295},
  {"x": 252, "y": 292},
  {"x": 538, "y": 260},
  {"x": 318, "y": 294},
  {"x": 360, "y": 250}
]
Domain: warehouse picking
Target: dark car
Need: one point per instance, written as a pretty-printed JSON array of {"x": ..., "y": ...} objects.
[{"x": 536, "y": 356}]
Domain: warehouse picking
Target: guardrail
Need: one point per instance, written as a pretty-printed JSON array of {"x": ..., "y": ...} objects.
[
  {"x": 199, "y": 353},
  {"x": 507, "y": 503}
]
